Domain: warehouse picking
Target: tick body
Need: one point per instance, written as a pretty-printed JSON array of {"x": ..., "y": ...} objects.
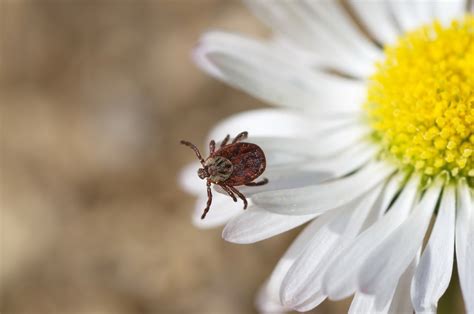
[{"x": 234, "y": 164}]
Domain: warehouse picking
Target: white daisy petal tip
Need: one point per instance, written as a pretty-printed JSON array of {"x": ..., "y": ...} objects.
[
  {"x": 200, "y": 56},
  {"x": 266, "y": 303}
]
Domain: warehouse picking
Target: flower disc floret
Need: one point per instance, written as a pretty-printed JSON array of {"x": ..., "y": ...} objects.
[{"x": 420, "y": 101}]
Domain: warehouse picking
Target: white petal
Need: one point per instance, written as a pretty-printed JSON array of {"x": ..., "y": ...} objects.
[
  {"x": 328, "y": 151},
  {"x": 258, "y": 69},
  {"x": 401, "y": 302},
  {"x": 266, "y": 304},
  {"x": 294, "y": 20},
  {"x": 262, "y": 123},
  {"x": 345, "y": 162},
  {"x": 362, "y": 304},
  {"x": 222, "y": 209},
  {"x": 303, "y": 57},
  {"x": 281, "y": 152},
  {"x": 373, "y": 304},
  {"x": 392, "y": 188},
  {"x": 434, "y": 270},
  {"x": 375, "y": 15},
  {"x": 287, "y": 146},
  {"x": 319, "y": 245},
  {"x": 395, "y": 301},
  {"x": 325, "y": 196},
  {"x": 256, "y": 224},
  {"x": 424, "y": 11},
  {"x": 339, "y": 140},
  {"x": 340, "y": 279},
  {"x": 303, "y": 280},
  {"x": 335, "y": 19},
  {"x": 389, "y": 260},
  {"x": 189, "y": 179},
  {"x": 294, "y": 251},
  {"x": 412, "y": 14},
  {"x": 285, "y": 179},
  {"x": 465, "y": 243},
  {"x": 446, "y": 10},
  {"x": 323, "y": 125},
  {"x": 406, "y": 14}
]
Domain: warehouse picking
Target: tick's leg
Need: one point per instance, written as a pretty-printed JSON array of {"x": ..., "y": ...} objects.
[
  {"x": 240, "y": 136},
  {"x": 209, "y": 200},
  {"x": 242, "y": 197},
  {"x": 196, "y": 150},
  {"x": 212, "y": 147},
  {"x": 226, "y": 188},
  {"x": 263, "y": 182},
  {"x": 226, "y": 139}
]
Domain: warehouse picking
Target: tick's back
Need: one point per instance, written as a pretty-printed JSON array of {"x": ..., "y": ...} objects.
[{"x": 247, "y": 159}]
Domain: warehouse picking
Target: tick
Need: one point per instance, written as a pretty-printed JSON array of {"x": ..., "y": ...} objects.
[{"x": 234, "y": 164}]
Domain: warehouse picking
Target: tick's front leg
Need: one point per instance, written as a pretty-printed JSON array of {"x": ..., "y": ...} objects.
[
  {"x": 263, "y": 182},
  {"x": 212, "y": 147},
  {"x": 226, "y": 139},
  {"x": 242, "y": 197},
  {"x": 195, "y": 149},
  {"x": 241, "y": 136},
  {"x": 209, "y": 200}
]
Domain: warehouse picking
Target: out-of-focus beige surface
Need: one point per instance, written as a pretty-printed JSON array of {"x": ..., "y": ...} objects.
[{"x": 95, "y": 96}]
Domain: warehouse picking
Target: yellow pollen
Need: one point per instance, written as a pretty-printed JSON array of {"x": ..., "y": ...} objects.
[{"x": 420, "y": 101}]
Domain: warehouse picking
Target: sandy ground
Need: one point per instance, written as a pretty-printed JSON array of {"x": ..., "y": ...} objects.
[{"x": 95, "y": 96}]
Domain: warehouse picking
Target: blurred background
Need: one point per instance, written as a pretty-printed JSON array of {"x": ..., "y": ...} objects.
[{"x": 94, "y": 98}]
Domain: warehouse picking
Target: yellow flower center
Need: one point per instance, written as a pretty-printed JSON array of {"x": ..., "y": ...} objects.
[{"x": 420, "y": 101}]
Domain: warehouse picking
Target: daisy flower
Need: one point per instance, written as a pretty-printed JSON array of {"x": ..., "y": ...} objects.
[{"x": 372, "y": 141}]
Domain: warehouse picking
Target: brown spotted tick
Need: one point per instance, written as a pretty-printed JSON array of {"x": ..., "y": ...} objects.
[{"x": 234, "y": 164}]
